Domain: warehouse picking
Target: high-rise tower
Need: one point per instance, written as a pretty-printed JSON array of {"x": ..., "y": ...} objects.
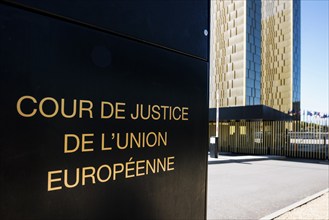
[
  {"x": 255, "y": 53},
  {"x": 235, "y": 53},
  {"x": 281, "y": 54}
]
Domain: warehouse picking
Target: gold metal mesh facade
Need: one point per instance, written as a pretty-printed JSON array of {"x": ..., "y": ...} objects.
[
  {"x": 286, "y": 138},
  {"x": 227, "y": 53},
  {"x": 277, "y": 44}
]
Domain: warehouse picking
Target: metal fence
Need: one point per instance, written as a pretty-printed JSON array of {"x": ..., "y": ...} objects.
[{"x": 286, "y": 138}]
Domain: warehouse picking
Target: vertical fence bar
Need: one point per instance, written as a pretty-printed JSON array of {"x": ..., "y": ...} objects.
[
  {"x": 302, "y": 137},
  {"x": 229, "y": 137},
  {"x": 296, "y": 141},
  {"x": 247, "y": 137},
  {"x": 275, "y": 137},
  {"x": 259, "y": 137},
  {"x": 288, "y": 138},
  {"x": 250, "y": 137},
  {"x": 241, "y": 137},
  {"x": 295, "y": 135},
  {"x": 307, "y": 128},
  {"x": 263, "y": 137},
  {"x": 220, "y": 137},
  {"x": 280, "y": 137},
  {"x": 245, "y": 146},
  {"x": 256, "y": 136},
  {"x": 272, "y": 138},
  {"x": 316, "y": 139},
  {"x": 320, "y": 145},
  {"x": 319, "y": 141},
  {"x": 235, "y": 138},
  {"x": 291, "y": 140},
  {"x": 311, "y": 140},
  {"x": 253, "y": 124},
  {"x": 310, "y": 137},
  {"x": 274, "y": 134}
]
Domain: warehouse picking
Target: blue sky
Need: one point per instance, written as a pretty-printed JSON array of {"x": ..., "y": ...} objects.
[{"x": 314, "y": 55}]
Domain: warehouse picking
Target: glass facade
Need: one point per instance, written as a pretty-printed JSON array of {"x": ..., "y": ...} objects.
[
  {"x": 253, "y": 52},
  {"x": 296, "y": 56}
]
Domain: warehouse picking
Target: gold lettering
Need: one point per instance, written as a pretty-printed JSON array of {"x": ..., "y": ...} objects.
[
  {"x": 115, "y": 171},
  {"x": 164, "y": 111},
  {"x": 170, "y": 113},
  {"x": 84, "y": 142},
  {"x": 185, "y": 114},
  {"x": 149, "y": 165},
  {"x": 19, "y": 108},
  {"x": 129, "y": 169},
  {"x": 174, "y": 116},
  {"x": 134, "y": 117},
  {"x": 160, "y": 164},
  {"x": 91, "y": 175},
  {"x": 51, "y": 180},
  {"x": 169, "y": 163},
  {"x": 138, "y": 167},
  {"x": 143, "y": 139},
  {"x": 133, "y": 139},
  {"x": 66, "y": 148},
  {"x": 163, "y": 139},
  {"x": 118, "y": 142},
  {"x": 87, "y": 109},
  {"x": 148, "y": 112},
  {"x": 63, "y": 109},
  {"x": 148, "y": 139},
  {"x": 77, "y": 174},
  {"x": 155, "y": 110},
  {"x": 102, "y": 110},
  {"x": 119, "y": 110},
  {"x": 99, "y": 175},
  {"x": 103, "y": 143},
  {"x": 41, "y": 107}
]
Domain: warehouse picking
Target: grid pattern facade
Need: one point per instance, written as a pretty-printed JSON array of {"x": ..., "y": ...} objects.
[
  {"x": 277, "y": 57},
  {"x": 228, "y": 52}
]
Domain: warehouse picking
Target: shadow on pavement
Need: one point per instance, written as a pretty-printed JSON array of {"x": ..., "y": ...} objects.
[
  {"x": 261, "y": 158},
  {"x": 244, "y": 161}
]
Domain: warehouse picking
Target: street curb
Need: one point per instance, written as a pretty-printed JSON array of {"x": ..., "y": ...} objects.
[{"x": 294, "y": 205}]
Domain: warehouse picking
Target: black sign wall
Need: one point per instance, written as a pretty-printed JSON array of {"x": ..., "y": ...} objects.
[{"x": 104, "y": 109}]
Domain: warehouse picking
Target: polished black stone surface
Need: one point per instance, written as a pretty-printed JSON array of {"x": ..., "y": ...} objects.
[
  {"x": 44, "y": 56},
  {"x": 177, "y": 25}
]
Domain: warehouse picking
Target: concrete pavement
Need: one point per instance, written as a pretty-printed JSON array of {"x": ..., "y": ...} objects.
[
  {"x": 317, "y": 209},
  {"x": 251, "y": 187}
]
